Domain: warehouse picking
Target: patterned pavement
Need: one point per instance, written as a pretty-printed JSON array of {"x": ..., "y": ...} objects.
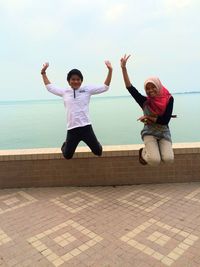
[{"x": 154, "y": 225}]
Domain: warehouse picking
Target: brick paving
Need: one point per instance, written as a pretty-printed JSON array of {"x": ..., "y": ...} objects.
[{"x": 124, "y": 226}]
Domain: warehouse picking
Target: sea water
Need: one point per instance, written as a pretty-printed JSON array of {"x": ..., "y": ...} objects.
[{"x": 42, "y": 123}]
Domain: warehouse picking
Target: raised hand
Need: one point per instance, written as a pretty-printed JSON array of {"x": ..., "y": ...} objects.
[
  {"x": 44, "y": 67},
  {"x": 124, "y": 60},
  {"x": 108, "y": 64}
]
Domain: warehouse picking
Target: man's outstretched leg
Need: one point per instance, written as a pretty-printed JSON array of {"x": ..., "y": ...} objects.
[
  {"x": 89, "y": 137},
  {"x": 69, "y": 146}
]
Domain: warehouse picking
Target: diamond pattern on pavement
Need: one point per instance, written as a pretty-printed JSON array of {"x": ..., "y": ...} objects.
[
  {"x": 148, "y": 246},
  {"x": 76, "y": 201},
  {"x": 65, "y": 241},
  {"x": 195, "y": 195},
  {"x": 158, "y": 225},
  {"x": 4, "y": 238},
  {"x": 144, "y": 200},
  {"x": 13, "y": 201}
]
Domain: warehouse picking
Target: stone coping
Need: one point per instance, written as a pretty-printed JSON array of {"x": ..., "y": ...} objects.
[{"x": 84, "y": 152}]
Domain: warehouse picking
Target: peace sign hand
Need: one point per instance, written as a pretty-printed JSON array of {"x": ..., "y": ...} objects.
[{"x": 124, "y": 60}]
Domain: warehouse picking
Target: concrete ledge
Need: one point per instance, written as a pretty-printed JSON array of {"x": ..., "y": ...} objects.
[
  {"x": 84, "y": 152},
  {"x": 117, "y": 166}
]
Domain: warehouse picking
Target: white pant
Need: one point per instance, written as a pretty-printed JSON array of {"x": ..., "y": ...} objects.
[{"x": 156, "y": 150}]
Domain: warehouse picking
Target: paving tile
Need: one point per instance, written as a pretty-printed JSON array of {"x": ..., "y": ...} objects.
[{"x": 143, "y": 225}]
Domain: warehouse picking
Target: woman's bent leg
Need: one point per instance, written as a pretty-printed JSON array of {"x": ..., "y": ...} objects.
[
  {"x": 166, "y": 151},
  {"x": 151, "y": 152}
]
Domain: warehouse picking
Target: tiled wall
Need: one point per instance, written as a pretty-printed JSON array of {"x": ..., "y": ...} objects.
[{"x": 118, "y": 166}]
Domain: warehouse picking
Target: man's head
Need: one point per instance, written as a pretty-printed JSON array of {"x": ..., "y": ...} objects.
[{"x": 75, "y": 78}]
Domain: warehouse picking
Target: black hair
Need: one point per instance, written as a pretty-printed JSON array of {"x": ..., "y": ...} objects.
[{"x": 74, "y": 72}]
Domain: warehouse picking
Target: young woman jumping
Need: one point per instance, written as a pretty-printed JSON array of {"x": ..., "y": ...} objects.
[
  {"x": 157, "y": 108},
  {"x": 76, "y": 101}
]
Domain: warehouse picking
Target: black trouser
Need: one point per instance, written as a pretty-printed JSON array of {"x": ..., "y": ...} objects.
[{"x": 74, "y": 136}]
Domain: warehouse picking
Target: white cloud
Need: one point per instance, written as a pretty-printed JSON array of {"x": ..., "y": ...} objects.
[
  {"x": 83, "y": 33},
  {"x": 115, "y": 12},
  {"x": 173, "y": 6},
  {"x": 13, "y": 6},
  {"x": 177, "y": 4},
  {"x": 42, "y": 28}
]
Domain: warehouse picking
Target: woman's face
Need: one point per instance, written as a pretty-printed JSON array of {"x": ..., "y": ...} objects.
[
  {"x": 75, "y": 81},
  {"x": 151, "y": 90}
]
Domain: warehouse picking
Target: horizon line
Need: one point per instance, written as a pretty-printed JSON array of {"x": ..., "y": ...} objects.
[{"x": 115, "y": 96}]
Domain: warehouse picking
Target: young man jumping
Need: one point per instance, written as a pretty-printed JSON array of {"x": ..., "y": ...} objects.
[{"x": 76, "y": 101}]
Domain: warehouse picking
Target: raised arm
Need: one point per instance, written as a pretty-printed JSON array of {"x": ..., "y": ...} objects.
[
  {"x": 139, "y": 98},
  {"x": 109, "y": 75},
  {"x": 50, "y": 87},
  {"x": 98, "y": 89},
  {"x": 124, "y": 70},
  {"x": 43, "y": 72}
]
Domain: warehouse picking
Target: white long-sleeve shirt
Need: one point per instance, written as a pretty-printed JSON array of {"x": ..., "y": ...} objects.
[{"x": 76, "y": 102}]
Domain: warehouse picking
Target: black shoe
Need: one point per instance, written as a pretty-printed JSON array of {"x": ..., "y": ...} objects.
[
  {"x": 141, "y": 160},
  {"x": 63, "y": 146}
]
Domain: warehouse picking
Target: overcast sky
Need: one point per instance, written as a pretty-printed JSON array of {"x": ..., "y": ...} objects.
[{"x": 161, "y": 35}]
